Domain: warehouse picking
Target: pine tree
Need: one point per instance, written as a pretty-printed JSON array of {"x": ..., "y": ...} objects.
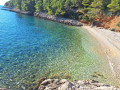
[
  {"x": 39, "y": 5},
  {"x": 114, "y": 5},
  {"x": 86, "y": 3}
]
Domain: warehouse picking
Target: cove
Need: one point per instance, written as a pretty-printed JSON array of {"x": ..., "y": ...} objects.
[{"x": 31, "y": 47}]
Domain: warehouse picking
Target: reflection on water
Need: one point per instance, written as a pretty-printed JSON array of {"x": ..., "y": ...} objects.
[{"x": 31, "y": 47}]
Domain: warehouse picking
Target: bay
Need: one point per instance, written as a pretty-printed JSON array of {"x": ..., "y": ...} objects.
[{"x": 31, "y": 47}]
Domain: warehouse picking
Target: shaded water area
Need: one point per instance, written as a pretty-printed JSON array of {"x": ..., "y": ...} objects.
[{"x": 31, "y": 47}]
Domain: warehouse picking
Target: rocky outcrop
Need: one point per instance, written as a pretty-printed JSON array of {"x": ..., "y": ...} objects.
[
  {"x": 17, "y": 10},
  {"x": 22, "y": 12},
  {"x": 6, "y": 7},
  {"x": 55, "y": 84},
  {"x": 58, "y": 19},
  {"x": 46, "y": 16},
  {"x": 4, "y": 89}
]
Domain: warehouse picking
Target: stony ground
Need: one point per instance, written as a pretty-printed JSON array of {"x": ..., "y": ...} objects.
[{"x": 55, "y": 84}]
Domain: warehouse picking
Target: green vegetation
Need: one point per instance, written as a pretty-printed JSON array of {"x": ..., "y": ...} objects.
[
  {"x": 118, "y": 24},
  {"x": 112, "y": 29},
  {"x": 67, "y": 8}
]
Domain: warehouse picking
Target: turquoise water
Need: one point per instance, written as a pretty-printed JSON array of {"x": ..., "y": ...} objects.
[{"x": 31, "y": 47}]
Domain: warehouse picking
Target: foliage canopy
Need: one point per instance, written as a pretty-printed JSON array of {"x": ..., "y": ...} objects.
[{"x": 92, "y": 8}]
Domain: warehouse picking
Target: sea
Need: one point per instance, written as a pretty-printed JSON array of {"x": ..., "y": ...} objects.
[{"x": 31, "y": 48}]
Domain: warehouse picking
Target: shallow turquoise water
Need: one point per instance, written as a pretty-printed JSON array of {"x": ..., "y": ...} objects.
[{"x": 31, "y": 47}]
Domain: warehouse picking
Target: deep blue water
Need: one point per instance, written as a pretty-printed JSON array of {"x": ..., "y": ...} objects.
[{"x": 31, "y": 47}]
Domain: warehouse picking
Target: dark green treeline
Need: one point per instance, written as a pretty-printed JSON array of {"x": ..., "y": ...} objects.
[{"x": 90, "y": 8}]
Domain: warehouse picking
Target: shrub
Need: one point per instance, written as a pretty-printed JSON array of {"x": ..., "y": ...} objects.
[
  {"x": 86, "y": 18},
  {"x": 118, "y": 24},
  {"x": 118, "y": 13},
  {"x": 108, "y": 13},
  {"x": 85, "y": 10},
  {"x": 80, "y": 17},
  {"x": 73, "y": 15},
  {"x": 112, "y": 29}
]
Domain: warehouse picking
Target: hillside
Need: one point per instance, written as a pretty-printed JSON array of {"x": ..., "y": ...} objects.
[{"x": 84, "y": 10}]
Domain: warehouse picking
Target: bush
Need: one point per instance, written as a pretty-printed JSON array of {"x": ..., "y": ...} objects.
[
  {"x": 86, "y": 18},
  {"x": 108, "y": 13},
  {"x": 80, "y": 17},
  {"x": 112, "y": 29},
  {"x": 73, "y": 15},
  {"x": 118, "y": 24},
  {"x": 85, "y": 10},
  {"x": 118, "y": 13}
]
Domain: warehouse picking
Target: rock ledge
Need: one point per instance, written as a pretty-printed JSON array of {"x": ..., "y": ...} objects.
[
  {"x": 55, "y": 84},
  {"x": 58, "y": 19}
]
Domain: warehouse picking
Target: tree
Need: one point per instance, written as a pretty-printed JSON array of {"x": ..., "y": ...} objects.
[
  {"x": 86, "y": 3},
  {"x": 114, "y": 5},
  {"x": 39, "y": 5},
  {"x": 60, "y": 8},
  {"x": 96, "y": 7},
  {"x": 24, "y": 6}
]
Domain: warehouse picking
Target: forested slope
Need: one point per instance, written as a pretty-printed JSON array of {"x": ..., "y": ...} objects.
[{"x": 76, "y": 9}]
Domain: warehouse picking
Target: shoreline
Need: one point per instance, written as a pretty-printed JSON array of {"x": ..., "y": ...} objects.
[
  {"x": 110, "y": 42},
  {"x": 56, "y": 84},
  {"x": 22, "y": 12},
  {"x": 63, "y": 20},
  {"x": 96, "y": 32},
  {"x": 44, "y": 15},
  {"x": 63, "y": 84}
]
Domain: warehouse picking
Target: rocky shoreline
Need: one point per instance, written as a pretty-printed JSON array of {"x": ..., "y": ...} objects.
[
  {"x": 43, "y": 15},
  {"x": 17, "y": 10},
  {"x": 22, "y": 12},
  {"x": 56, "y": 84},
  {"x": 58, "y": 19}
]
